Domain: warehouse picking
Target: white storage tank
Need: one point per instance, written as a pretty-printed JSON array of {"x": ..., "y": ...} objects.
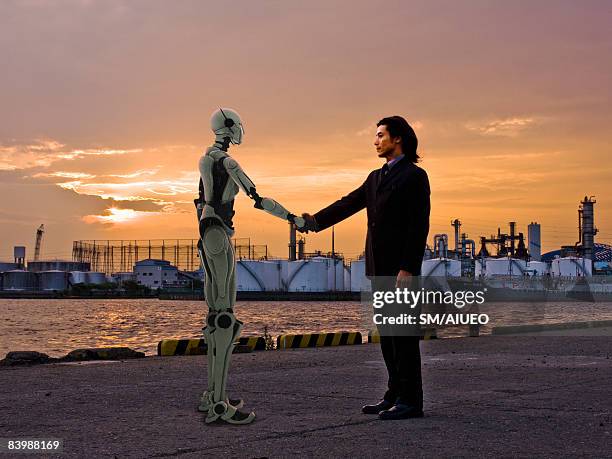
[
  {"x": 306, "y": 276},
  {"x": 78, "y": 277},
  {"x": 95, "y": 277},
  {"x": 571, "y": 267},
  {"x": 537, "y": 268},
  {"x": 18, "y": 279},
  {"x": 258, "y": 276},
  {"x": 359, "y": 281},
  {"x": 7, "y": 266},
  {"x": 505, "y": 267},
  {"x": 347, "y": 278},
  {"x": 337, "y": 271},
  {"x": 53, "y": 280},
  {"x": 479, "y": 267},
  {"x": 441, "y": 267}
]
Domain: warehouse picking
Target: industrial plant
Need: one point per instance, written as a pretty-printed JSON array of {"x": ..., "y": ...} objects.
[{"x": 171, "y": 264}]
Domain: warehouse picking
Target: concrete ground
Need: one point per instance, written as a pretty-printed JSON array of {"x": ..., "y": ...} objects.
[{"x": 522, "y": 396}]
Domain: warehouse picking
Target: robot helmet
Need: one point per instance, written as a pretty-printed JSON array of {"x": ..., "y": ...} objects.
[{"x": 225, "y": 122}]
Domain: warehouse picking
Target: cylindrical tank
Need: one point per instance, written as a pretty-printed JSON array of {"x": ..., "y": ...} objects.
[
  {"x": 505, "y": 267},
  {"x": 78, "y": 277},
  {"x": 346, "y": 271},
  {"x": 57, "y": 265},
  {"x": 19, "y": 279},
  {"x": 441, "y": 267},
  {"x": 306, "y": 276},
  {"x": 335, "y": 268},
  {"x": 479, "y": 267},
  {"x": 571, "y": 267},
  {"x": 537, "y": 268},
  {"x": 95, "y": 277},
  {"x": 359, "y": 281},
  {"x": 7, "y": 266},
  {"x": 53, "y": 280},
  {"x": 259, "y": 276},
  {"x": 534, "y": 239}
]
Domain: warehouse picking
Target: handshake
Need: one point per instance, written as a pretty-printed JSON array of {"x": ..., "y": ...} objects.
[{"x": 305, "y": 223}]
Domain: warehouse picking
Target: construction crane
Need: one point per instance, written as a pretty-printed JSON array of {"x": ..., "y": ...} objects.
[{"x": 39, "y": 235}]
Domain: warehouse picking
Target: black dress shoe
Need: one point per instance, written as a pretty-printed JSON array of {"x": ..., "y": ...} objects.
[
  {"x": 375, "y": 409},
  {"x": 400, "y": 411}
]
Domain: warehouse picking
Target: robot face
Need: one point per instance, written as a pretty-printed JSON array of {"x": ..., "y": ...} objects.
[{"x": 237, "y": 132}]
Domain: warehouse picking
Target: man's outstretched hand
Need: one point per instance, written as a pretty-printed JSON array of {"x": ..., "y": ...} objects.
[
  {"x": 404, "y": 279},
  {"x": 310, "y": 224}
]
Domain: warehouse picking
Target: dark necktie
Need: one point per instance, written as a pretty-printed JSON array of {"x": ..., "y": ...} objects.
[{"x": 385, "y": 170}]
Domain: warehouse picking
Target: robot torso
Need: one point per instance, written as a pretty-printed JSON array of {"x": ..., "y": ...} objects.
[{"x": 216, "y": 191}]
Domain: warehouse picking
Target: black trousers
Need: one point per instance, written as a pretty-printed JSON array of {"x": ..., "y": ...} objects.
[{"x": 402, "y": 355}]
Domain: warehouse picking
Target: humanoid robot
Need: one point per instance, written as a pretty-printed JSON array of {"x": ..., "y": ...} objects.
[{"x": 221, "y": 179}]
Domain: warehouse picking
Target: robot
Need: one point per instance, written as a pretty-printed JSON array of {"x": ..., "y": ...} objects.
[{"x": 221, "y": 178}]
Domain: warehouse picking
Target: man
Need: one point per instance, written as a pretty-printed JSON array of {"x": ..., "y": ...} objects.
[{"x": 397, "y": 201}]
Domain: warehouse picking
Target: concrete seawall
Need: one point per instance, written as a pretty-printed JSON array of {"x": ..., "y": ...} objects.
[{"x": 505, "y": 396}]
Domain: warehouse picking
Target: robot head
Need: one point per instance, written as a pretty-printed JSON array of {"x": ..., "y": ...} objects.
[{"x": 225, "y": 122}]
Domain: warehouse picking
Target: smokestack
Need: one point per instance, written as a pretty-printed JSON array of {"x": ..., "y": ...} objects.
[
  {"x": 512, "y": 230},
  {"x": 588, "y": 226},
  {"x": 457, "y": 225},
  {"x": 292, "y": 237},
  {"x": 301, "y": 244}
]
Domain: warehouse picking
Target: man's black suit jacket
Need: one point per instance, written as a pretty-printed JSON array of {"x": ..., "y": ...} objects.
[{"x": 398, "y": 218}]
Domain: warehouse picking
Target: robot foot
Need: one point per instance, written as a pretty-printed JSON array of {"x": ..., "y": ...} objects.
[
  {"x": 229, "y": 414},
  {"x": 206, "y": 402}
]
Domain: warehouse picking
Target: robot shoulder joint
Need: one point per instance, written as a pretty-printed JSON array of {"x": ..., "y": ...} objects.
[{"x": 231, "y": 163}]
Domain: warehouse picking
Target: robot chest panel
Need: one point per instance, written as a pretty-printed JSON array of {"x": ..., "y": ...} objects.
[{"x": 224, "y": 187}]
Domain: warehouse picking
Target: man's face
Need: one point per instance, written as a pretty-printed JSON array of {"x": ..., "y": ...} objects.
[{"x": 383, "y": 142}]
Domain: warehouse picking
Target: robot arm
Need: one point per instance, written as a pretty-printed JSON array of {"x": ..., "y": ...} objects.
[{"x": 266, "y": 204}]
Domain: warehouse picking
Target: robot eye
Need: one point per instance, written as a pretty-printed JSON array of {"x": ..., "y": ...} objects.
[{"x": 229, "y": 122}]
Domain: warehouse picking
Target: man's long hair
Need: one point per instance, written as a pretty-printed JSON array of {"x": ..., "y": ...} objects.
[{"x": 399, "y": 127}]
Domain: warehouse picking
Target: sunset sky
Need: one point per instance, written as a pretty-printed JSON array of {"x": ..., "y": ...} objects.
[{"x": 105, "y": 106}]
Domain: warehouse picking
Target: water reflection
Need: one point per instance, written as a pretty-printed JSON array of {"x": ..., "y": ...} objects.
[{"x": 59, "y": 326}]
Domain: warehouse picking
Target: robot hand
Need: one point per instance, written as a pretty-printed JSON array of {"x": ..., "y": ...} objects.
[
  {"x": 310, "y": 224},
  {"x": 300, "y": 224}
]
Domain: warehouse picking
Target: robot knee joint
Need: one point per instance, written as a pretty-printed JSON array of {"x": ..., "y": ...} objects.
[{"x": 221, "y": 320}]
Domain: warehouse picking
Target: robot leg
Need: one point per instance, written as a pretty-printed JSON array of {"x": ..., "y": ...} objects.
[
  {"x": 206, "y": 399},
  {"x": 222, "y": 327}
]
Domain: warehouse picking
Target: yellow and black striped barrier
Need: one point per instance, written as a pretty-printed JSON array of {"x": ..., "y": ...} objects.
[
  {"x": 317, "y": 340},
  {"x": 193, "y": 346},
  {"x": 197, "y": 346},
  {"x": 428, "y": 333},
  {"x": 255, "y": 343}
]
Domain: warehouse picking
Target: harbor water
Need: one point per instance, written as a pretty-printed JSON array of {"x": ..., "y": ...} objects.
[{"x": 57, "y": 327}]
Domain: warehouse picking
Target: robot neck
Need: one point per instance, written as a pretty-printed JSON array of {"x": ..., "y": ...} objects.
[{"x": 222, "y": 142}]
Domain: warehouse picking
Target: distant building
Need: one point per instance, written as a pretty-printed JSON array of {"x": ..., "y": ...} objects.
[{"x": 155, "y": 273}]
